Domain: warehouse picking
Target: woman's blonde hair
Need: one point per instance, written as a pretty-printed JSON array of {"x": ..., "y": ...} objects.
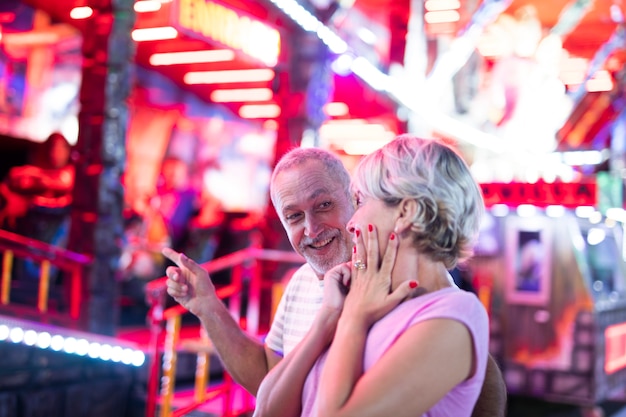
[{"x": 449, "y": 200}]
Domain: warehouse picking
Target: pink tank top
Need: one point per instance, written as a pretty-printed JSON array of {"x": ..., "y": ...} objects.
[{"x": 451, "y": 303}]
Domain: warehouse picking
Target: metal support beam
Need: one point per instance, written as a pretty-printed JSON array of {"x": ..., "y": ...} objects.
[{"x": 97, "y": 223}]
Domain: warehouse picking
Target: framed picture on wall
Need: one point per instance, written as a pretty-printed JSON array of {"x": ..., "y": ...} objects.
[{"x": 528, "y": 260}]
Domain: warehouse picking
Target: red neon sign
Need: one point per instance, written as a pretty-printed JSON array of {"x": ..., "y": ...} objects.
[
  {"x": 615, "y": 348},
  {"x": 541, "y": 194}
]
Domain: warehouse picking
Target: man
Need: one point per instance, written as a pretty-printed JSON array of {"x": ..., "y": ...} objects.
[{"x": 310, "y": 190}]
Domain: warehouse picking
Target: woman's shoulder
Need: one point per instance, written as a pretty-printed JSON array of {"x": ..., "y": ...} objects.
[
  {"x": 450, "y": 302},
  {"x": 458, "y": 297}
]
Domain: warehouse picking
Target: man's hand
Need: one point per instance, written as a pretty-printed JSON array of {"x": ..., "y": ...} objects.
[
  {"x": 188, "y": 283},
  {"x": 336, "y": 284},
  {"x": 244, "y": 357}
]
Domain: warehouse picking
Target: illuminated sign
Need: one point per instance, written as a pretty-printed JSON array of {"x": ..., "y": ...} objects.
[
  {"x": 615, "y": 349},
  {"x": 541, "y": 194},
  {"x": 210, "y": 20}
]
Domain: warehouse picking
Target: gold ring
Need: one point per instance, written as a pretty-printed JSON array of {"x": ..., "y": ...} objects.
[{"x": 360, "y": 265}]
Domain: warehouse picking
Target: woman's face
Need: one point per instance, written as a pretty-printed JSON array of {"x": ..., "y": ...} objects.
[{"x": 373, "y": 211}]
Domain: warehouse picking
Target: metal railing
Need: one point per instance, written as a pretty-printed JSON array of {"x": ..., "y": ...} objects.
[
  {"x": 16, "y": 246},
  {"x": 245, "y": 286}
]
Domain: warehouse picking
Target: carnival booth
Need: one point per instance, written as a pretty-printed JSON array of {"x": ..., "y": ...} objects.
[{"x": 552, "y": 275}]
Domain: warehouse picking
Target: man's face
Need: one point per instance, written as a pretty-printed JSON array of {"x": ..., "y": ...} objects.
[{"x": 314, "y": 210}]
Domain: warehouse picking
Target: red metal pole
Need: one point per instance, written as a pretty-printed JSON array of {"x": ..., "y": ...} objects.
[{"x": 156, "y": 317}]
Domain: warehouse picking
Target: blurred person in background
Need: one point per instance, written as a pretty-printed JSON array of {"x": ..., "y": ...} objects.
[
  {"x": 45, "y": 183},
  {"x": 166, "y": 221},
  {"x": 176, "y": 201},
  {"x": 39, "y": 196}
]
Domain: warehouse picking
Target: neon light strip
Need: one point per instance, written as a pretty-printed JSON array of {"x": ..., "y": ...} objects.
[
  {"x": 145, "y": 6},
  {"x": 438, "y": 5},
  {"x": 241, "y": 95},
  {"x": 259, "y": 111},
  {"x": 229, "y": 76},
  {"x": 78, "y": 13},
  {"x": 154, "y": 34},
  {"x": 192, "y": 57},
  {"x": 310, "y": 23},
  {"x": 70, "y": 341},
  {"x": 443, "y": 16}
]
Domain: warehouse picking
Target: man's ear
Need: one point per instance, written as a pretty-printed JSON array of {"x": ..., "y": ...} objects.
[{"x": 407, "y": 208}]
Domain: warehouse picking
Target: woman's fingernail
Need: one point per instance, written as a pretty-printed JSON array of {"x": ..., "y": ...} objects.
[
  {"x": 413, "y": 284},
  {"x": 370, "y": 227},
  {"x": 358, "y": 232},
  {"x": 354, "y": 249},
  {"x": 392, "y": 236}
]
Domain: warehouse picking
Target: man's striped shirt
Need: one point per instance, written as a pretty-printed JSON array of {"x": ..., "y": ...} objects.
[{"x": 296, "y": 311}]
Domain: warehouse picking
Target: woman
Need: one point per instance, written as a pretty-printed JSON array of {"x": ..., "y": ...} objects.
[{"x": 404, "y": 340}]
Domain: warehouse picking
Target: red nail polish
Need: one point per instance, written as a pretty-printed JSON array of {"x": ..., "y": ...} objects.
[
  {"x": 392, "y": 236},
  {"x": 413, "y": 284},
  {"x": 353, "y": 249},
  {"x": 370, "y": 227},
  {"x": 358, "y": 232}
]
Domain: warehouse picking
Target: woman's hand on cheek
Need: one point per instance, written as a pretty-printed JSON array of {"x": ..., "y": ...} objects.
[{"x": 370, "y": 297}]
